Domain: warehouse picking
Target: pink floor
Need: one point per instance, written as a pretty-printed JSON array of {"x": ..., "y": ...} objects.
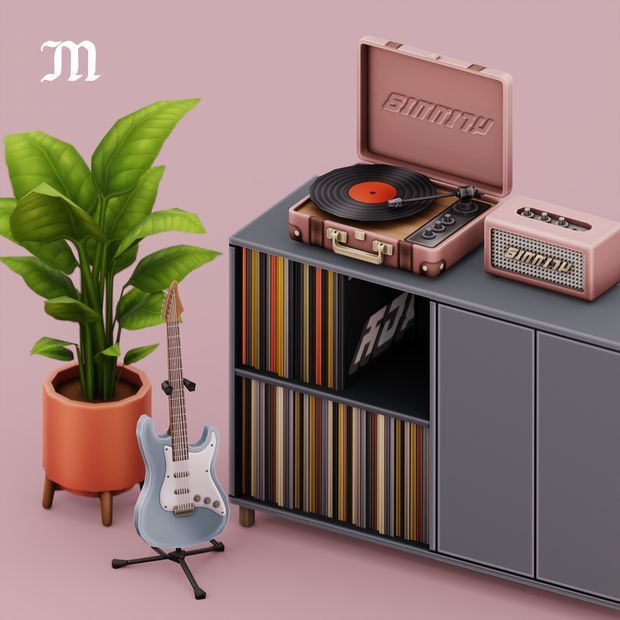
[{"x": 56, "y": 563}]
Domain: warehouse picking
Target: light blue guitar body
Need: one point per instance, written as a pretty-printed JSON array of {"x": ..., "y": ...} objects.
[{"x": 190, "y": 488}]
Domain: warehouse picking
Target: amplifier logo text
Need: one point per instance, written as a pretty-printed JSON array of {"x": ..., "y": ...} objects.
[
  {"x": 544, "y": 261},
  {"x": 73, "y": 49},
  {"x": 438, "y": 114},
  {"x": 385, "y": 326}
]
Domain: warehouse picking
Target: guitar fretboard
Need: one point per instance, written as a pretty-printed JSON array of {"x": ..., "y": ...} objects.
[{"x": 176, "y": 401}]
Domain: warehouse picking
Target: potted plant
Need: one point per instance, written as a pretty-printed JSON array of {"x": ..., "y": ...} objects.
[{"x": 82, "y": 227}]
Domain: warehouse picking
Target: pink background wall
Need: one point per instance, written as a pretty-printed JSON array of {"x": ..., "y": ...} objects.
[{"x": 278, "y": 82}]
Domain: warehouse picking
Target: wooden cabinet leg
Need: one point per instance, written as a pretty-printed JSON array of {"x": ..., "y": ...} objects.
[
  {"x": 48, "y": 493},
  {"x": 246, "y": 516},
  {"x": 106, "y": 507}
]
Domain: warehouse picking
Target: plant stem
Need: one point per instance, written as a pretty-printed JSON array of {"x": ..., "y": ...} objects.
[
  {"x": 95, "y": 329},
  {"x": 88, "y": 366}
]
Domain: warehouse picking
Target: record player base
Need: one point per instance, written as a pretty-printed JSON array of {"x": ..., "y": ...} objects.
[{"x": 105, "y": 499}]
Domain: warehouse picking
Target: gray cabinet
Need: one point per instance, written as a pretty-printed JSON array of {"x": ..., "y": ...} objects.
[
  {"x": 485, "y": 433},
  {"x": 578, "y": 466}
]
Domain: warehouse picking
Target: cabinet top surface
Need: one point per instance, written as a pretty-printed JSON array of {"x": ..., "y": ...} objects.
[{"x": 465, "y": 285}]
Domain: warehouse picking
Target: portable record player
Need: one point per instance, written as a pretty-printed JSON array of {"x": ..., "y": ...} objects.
[{"x": 437, "y": 135}]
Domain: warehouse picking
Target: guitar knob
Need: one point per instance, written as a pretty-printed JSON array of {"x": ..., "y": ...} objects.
[
  {"x": 216, "y": 504},
  {"x": 207, "y": 500},
  {"x": 196, "y": 498}
]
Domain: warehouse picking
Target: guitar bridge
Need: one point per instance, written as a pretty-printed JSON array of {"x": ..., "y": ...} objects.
[{"x": 184, "y": 510}]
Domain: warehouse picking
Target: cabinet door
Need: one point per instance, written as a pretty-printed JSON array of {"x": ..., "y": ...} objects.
[
  {"x": 578, "y": 466},
  {"x": 485, "y": 441}
]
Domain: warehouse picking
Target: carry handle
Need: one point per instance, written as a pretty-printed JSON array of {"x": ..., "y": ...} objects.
[{"x": 339, "y": 237}]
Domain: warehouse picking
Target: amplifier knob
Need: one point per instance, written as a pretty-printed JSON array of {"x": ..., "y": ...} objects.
[
  {"x": 562, "y": 222},
  {"x": 527, "y": 212},
  {"x": 544, "y": 216},
  {"x": 447, "y": 219},
  {"x": 438, "y": 227},
  {"x": 428, "y": 233}
]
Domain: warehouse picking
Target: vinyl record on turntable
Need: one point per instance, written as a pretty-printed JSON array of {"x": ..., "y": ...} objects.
[{"x": 361, "y": 192}]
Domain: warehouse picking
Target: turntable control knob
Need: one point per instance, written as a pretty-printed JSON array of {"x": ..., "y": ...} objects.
[
  {"x": 562, "y": 222},
  {"x": 438, "y": 227},
  {"x": 447, "y": 219},
  {"x": 527, "y": 212},
  {"x": 544, "y": 216},
  {"x": 428, "y": 233}
]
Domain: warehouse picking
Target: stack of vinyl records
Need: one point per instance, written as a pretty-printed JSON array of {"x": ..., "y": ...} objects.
[
  {"x": 310, "y": 454},
  {"x": 306, "y": 323}
]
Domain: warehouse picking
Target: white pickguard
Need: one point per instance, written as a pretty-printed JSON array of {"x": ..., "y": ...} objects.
[{"x": 202, "y": 490}]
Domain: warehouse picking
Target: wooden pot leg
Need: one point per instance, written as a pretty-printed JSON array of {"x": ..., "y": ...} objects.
[
  {"x": 106, "y": 507},
  {"x": 49, "y": 488},
  {"x": 246, "y": 516}
]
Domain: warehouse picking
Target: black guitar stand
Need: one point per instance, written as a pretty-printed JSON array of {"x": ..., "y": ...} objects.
[{"x": 178, "y": 556}]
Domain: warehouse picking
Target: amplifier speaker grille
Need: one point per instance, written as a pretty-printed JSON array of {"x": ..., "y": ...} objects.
[{"x": 502, "y": 240}]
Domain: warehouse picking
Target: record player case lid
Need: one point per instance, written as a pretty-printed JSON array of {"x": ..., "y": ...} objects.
[{"x": 446, "y": 118}]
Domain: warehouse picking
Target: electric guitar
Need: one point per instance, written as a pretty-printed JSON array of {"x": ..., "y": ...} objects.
[{"x": 181, "y": 502}]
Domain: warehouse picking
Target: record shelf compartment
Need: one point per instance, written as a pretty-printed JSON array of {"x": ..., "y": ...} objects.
[
  {"x": 495, "y": 379},
  {"x": 306, "y": 453}
]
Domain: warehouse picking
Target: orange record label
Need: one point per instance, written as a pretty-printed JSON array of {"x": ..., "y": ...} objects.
[{"x": 372, "y": 192}]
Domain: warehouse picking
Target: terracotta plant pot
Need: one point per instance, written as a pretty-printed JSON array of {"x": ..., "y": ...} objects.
[{"x": 91, "y": 448}]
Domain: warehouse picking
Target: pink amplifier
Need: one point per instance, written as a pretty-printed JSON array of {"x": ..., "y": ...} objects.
[{"x": 552, "y": 247}]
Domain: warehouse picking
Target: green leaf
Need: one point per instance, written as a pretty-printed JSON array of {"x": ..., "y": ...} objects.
[
  {"x": 42, "y": 279},
  {"x": 137, "y": 309},
  {"x": 133, "y": 355},
  {"x": 56, "y": 254},
  {"x": 161, "y": 221},
  {"x": 126, "y": 259},
  {"x": 54, "y": 348},
  {"x": 155, "y": 271},
  {"x": 67, "y": 309},
  {"x": 129, "y": 149},
  {"x": 112, "y": 351},
  {"x": 34, "y": 158},
  {"x": 45, "y": 215},
  {"x": 126, "y": 211}
]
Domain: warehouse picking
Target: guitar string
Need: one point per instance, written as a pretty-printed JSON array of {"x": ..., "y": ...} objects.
[
  {"x": 178, "y": 428},
  {"x": 182, "y": 418},
  {"x": 178, "y": 395}
]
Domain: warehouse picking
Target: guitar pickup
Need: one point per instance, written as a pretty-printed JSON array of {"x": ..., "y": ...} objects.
[
  {"x": 181, "y": 474},
  {"x": 181, "y": 491}
]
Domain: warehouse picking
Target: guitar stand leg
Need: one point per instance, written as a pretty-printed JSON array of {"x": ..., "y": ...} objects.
[
  {"x": 178, "y": 556},
  {"x": 199, "y": 593}
]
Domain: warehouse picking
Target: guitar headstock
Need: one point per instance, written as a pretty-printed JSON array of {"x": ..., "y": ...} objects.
[{"x": 173, "y": 308}]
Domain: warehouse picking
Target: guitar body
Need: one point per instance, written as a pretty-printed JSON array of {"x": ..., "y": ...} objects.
[{"x": 192, "y": 484}]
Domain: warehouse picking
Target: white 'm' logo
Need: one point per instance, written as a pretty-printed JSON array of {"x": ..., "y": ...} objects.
[{"x": 74, "y": 49}]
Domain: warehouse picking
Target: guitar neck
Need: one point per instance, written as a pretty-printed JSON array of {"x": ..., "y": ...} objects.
[{"x": 176, "y": 402}]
